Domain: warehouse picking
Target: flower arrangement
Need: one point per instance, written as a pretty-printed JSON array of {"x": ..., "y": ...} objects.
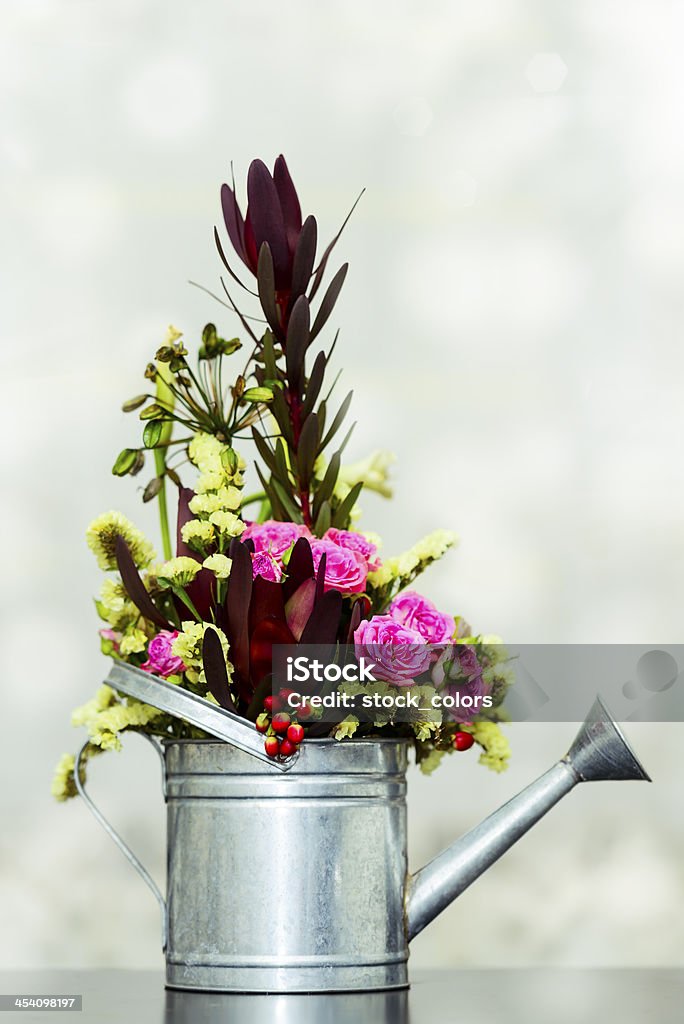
[{"x": 288, "y": 563}]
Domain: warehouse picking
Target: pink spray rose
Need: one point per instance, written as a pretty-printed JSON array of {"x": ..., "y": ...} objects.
[
  {"x": 345, "y": 570},
  {"x": 266, "y": 565},
  {"x": 398, "y": 652},
  {"x": 274, "y": 537},
  {"x": 161, "y": 660},
  {"x": 416, "y": 611},
  {"x": 355, "y": 542}
]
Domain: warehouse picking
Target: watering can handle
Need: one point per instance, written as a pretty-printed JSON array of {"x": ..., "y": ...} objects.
[{"x": 125, "y": 849}]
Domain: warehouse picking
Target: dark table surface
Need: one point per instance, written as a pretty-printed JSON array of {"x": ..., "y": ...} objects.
[{"x": 532, "y": 996}]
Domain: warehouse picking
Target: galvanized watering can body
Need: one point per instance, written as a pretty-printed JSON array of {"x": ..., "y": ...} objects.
[
  {"x": 293, "y": 878},
  {"x": 287, "y": 882}
]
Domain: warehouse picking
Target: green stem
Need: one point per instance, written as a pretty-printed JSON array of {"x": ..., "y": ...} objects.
[
  {"x": 160, "y": 466},
  {"x": 251, "y": 498},
  {"x": 164, "y": 397}
]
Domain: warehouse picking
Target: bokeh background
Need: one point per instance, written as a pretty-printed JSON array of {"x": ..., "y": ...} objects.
[{"x": 512, "y": 326}]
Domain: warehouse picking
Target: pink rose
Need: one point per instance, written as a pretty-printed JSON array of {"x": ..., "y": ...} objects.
[
  {"x": 345, "y": 569},
  {"x": 398, "y": 652},
  {"x": 161, "y": 660},
  {"x": 416, "y": 611},
  {"x": 264, "y": 564},
  {"x": 355, "y": 542},
  {"x": 274, "y": 537}
]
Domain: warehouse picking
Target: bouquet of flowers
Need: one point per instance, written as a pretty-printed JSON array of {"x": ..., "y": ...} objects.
[{"x": 287, "y": 564}]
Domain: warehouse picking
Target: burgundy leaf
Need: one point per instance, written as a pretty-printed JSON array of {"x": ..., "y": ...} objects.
[
  {"x": 250, "y": 242},
  {"x": 266, "y": 218},
  {"x": 289, "y": 202},
  {"x": 235, "y": 226},
  {"x": 300, "y": 567},
  {"x": 201, "y": 590},
  {"x": 320, "y": 269},
  {"x": 267, "y": 633},
  {"x": 298, "y": 609},
  {"x": 297, "y": 341},
  {"x": 324, "y": 620},
  {"x": 267, "y": 601},
  {"x": 266, "y": 284},
  {"x": 320, "y": 577},
  {"x": 304, "y": 257},
  {"x": 215, "y": 670},
  {"x": 237, "y": 607},
  {"x": 329, "y": 300},
  {"x": 354, "y": 622},
  {"x": 134, "y": 586}
]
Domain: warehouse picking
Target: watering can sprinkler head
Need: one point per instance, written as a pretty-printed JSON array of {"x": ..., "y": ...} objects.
[{"x": 599, "y": 751}]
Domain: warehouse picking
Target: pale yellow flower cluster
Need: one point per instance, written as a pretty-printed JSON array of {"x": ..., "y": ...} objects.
[
  {"x": 178, "y": 572},
  {"x": 218, "y": 497},
  {"x": 346, "y": 728},
  {"x": 496, "y": 749},
  {"x": 106, "y": 715},
  {"x": 219, "y": 565},
  {"x": 101, "y": 536},
  {"x": 114, "y": 606},
  {"x": 188, "y": 647},
  {"x": 198, "y": 534},
  {"x": 402, "y": 569},
  {"x": 63, "y": 786}
]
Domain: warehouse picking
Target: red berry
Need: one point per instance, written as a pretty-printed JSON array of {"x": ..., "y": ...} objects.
[
  {"x": 287, "y": 747},
  {"x": 280, "y": 722},
  {"x": 285, "y": 693},
  {"x": 272, "y": 704},
  {"x": 295, "y": 733},
  {"x": 272, "y": 746},
  {"x": 463, "y": 741},
  {"x": 304, "y": 712},
  {"x": 262, "y": 723}
]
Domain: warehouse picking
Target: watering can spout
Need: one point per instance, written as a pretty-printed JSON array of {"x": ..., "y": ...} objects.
[{"x": 600, "y": 751}]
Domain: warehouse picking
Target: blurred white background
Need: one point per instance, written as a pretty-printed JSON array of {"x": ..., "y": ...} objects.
[{"x": 512, "y": 325}]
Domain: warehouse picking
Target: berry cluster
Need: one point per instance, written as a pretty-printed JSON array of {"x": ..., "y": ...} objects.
[{"x": 283, "y": 733}]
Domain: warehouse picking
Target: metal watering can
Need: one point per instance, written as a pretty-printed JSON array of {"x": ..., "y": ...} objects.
[{"x": 292, "y": 877}]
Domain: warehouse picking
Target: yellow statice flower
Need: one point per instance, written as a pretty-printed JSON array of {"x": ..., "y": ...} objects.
[
  {"x": 188, "y": 647},
  {"x": 104, "y": 698},
  {"x": 134, "y": 641},
  {"x": 114, "y": 606},
  {"x": 178, "y": 572},
  {"x": 205, "y": 452},
  {"x": 431, "y": 761},
  {"x": 101, "y": 537},
  {"x": 223, "y": 498},
  {"x": 63, "y": 785},
  {"x": 346, "y": 728},
  {"x": 219, "y": 565},
  {"x": 426, "y": 719},
  {"x": 404, "y": 568},
  {"x": 105, "y": 727},
  {"x": 198, "y": 534},
  {"x": 227, "y": 524},
  {"x": 496, "y": 749},
  {"x": 209, "y": 482}
]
